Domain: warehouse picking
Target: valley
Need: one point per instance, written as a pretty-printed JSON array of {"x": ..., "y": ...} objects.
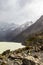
[{"x": 23, "y": 45}]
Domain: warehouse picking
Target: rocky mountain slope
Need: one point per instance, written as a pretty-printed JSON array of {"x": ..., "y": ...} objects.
[
  {"x": 18, "y": 30},
  {"x": 34, "y": 28},
  {"x": 34, "y": 39},
  {"x": 24, "y": 56},
  {"x": 6, "y": 28}
]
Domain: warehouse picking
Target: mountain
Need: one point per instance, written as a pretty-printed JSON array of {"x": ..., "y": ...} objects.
[
  {"x": 34, "y": 28},
  {"x": 34, "y": 39},
  {"x": 6, "y": 27},
  {"x": 18, "y": 30}
]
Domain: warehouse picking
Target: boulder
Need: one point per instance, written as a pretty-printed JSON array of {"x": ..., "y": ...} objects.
[
  {"x": 6, "y": 52},
  {"x": 28, "y": 62},
  {"x": 41, "y": 48}
]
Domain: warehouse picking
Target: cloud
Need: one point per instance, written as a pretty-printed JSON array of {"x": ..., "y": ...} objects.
[
  {"x": 20, "y": 11},
  {"x": 22, "y": 3}
]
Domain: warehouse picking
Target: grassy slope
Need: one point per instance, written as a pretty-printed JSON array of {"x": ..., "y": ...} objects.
[{"x": 35, "y": 39}]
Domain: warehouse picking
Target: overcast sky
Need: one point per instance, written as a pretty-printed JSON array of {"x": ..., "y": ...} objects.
[{"x": 20, "y": 11}]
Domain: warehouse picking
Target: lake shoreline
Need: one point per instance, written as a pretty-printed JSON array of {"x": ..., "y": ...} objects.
[{"x": 10, "y": 45}]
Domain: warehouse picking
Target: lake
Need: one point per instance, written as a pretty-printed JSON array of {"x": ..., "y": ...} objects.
[{"x": 10, "y": 45}]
